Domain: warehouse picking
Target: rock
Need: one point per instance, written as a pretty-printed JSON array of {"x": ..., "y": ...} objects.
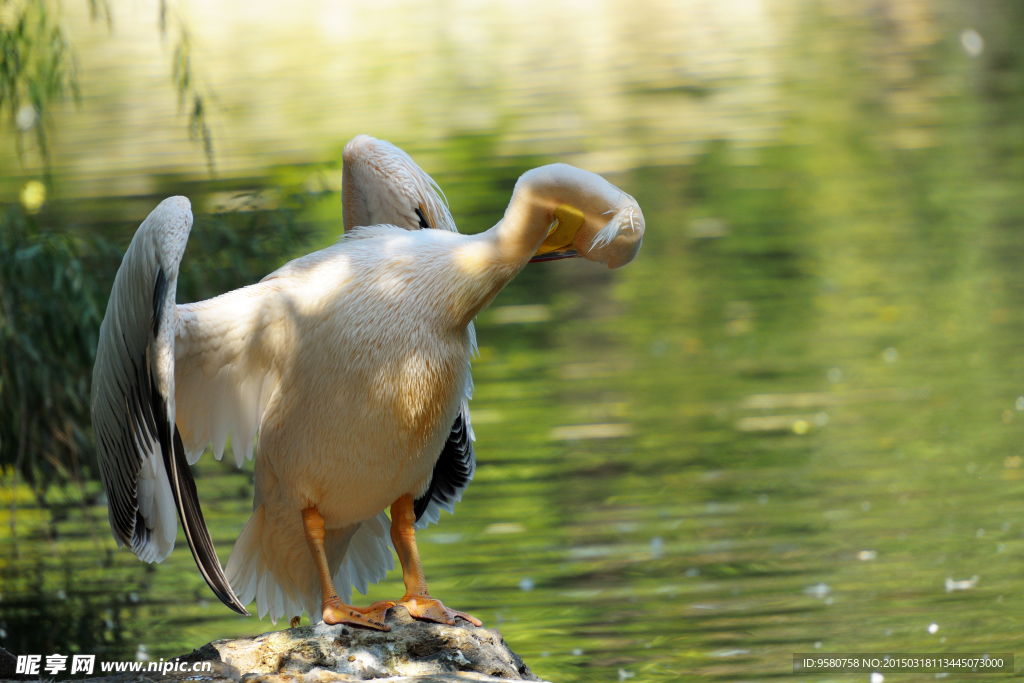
[
  {"x": 413, "y": 651},
  {"x": 8, "y": 664}
]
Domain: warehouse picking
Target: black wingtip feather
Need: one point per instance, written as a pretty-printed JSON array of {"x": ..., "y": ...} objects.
[
  {"x": 424, "y": 225},
  {"x": 159, "y": 296},
  {"x": 186, "y": 499},
  {"x": 453, "y": 470}
]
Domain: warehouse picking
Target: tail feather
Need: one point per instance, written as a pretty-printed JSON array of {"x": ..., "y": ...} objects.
[
  {"x": 369, "y": 557},
  {"x": 271, "y": 563}
]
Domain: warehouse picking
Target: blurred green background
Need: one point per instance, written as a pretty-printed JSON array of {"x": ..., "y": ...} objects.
[{"x": 793, "y": 423}]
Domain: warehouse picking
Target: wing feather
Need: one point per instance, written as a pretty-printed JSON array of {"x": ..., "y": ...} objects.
[
  {"x": 452, "y": 473},
  {"x": 130, "y": 364},
  {"x": 144, "y": 472},
  {"x": 381, "y": 184},
  {"x": 226, "y": 369}
]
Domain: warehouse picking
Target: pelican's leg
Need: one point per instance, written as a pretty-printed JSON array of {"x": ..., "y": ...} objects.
[
  {"x": 416, "y": 599},
  {"x": 334, "y": 610}
]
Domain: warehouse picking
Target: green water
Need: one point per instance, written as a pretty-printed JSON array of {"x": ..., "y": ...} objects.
[{"x": 792, "y": 424}]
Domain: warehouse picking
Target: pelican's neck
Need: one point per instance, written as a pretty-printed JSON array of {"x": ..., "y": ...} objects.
[
  {"x": 525, "y": 225},
  {"x": 489, "y": 261}
]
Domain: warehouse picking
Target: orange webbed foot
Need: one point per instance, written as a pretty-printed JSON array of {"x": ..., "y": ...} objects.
[
  {"x": 337, "y": 612},
  {"x": 428, "y": 609}
]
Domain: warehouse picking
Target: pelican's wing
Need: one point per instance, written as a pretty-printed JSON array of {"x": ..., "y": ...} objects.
[
  {"x": 452, "y": 473},
  {"x": 382, "y": 184},
  {"x": 142, "y": 462},
  {"x": 224, "y": 368}
]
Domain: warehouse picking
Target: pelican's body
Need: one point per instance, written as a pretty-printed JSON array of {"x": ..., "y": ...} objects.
[
  {"x": 360, "y": 411},
  {"x": 351, "y": 363}
]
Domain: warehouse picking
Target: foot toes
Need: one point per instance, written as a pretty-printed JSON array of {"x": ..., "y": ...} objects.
[
  {"x": 468, "y": 617},
  {"x": 337, "y": 612},
  {"x": 378, "y": 611},
  {"x": 429, "y": 609}
]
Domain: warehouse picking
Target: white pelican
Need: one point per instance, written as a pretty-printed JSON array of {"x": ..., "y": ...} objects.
[{"x": 352, "y": 365}]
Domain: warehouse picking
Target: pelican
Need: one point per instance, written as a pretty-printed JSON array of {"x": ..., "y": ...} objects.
[{"x": 350, "y": 364}]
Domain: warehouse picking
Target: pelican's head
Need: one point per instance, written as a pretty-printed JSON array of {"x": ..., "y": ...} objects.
[{"x": 590, "y": 217}]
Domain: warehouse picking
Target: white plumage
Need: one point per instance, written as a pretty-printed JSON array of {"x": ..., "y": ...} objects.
[{"x": 352, "y": 366}]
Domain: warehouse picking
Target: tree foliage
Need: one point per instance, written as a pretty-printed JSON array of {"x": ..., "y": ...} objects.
[
  {"x": 50, "y": 310},
  {"x": 37, "y": 68}
]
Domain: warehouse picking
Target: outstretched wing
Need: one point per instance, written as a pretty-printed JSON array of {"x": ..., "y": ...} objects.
[{"x": 142, "y": 462}]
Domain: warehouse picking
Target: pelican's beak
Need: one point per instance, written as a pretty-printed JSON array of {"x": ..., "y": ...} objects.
[
  {"x": 555, "y": 256},
  {"x": 563, "y": 230}
]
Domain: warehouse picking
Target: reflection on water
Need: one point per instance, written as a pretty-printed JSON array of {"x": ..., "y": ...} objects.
[{"x": 793, "y": 423}]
